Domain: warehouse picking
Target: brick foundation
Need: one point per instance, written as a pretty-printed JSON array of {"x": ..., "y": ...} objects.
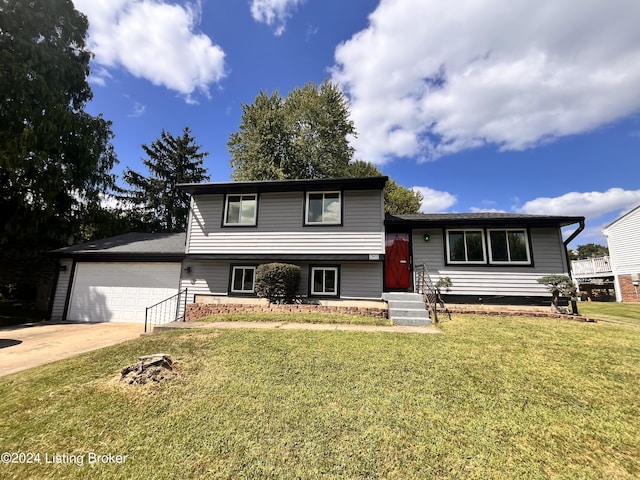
[
  {"x": 628, "y": 290},
  {"x": 196, "y": 311}
]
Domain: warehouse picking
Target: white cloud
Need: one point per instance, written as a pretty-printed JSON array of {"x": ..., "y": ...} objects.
[
  {"x": 435, "y": 201},
  {"x": 138, "y": 110},
  {"x": 154, "y": 40},
  {"x": 427, "y": 78},
  {"x": 274, "y": 13},
  {"x": 588, "y": 204},
  {"x": 486, "y": 210},
  {"x": 99, "y": 76}
]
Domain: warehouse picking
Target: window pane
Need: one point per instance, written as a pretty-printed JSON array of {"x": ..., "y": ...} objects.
[
  {"x": 518, "y": 246},
  {"x": 499, "y": 246},
  {"x": 248, "y": 209},
  {"x": 474, "y": 246},
  {"x": 456, "y": 247},
  {"x": 329, "y": 281},
  {"x": 233, "y": 209},
  {"x": 331, "y": 208},
  {"x": 248, "y": 280},
  {"x": 237, "y": 279},
  {"x": 315, "y": 208},
  {"x": 317, "y": 281}
]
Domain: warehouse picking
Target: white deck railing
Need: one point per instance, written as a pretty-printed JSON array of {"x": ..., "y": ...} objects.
[{"x": 591, "y": 267}]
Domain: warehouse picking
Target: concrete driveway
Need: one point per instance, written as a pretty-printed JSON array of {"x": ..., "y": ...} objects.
[{"x": 27, "y": 346}]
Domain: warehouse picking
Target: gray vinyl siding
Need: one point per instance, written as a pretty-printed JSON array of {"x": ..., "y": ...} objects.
[
  {"x": 62, "y": 287},
  {"x": 207, "y": 277},
  {"x": 548, "y": 257},
  {"x": 281, "y": 230},
  {"x": 361, "y": 280},
  {"x": 624, "y": 243},
  {"x": 358, "y": 280}
]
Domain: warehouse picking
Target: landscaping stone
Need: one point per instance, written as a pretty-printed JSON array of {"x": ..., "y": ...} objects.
[{"x": 151, "y": 368}]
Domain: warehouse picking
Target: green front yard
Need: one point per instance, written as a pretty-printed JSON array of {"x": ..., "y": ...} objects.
[
  {"x": 491, "y": 397},
  {"x": 612, "y": 311}
]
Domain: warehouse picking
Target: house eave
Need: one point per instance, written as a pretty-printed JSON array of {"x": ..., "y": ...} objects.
[
  {"x": 348, "y": 183},
  {"x": 156, "y": 257},
  {"x": 453, "y": 220}
]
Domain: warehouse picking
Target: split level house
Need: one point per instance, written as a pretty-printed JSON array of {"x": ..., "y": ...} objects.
[{"x": 335, "y": 230}]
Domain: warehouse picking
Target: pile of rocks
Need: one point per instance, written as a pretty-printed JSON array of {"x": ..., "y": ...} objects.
[{"x": 150, "y": 368}]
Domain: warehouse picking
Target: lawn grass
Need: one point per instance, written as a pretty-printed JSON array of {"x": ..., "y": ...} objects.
[
  {"x": 612, "y": 311},
  {"x": 491, "y": 397},
  {"x": 298, "y": 318}
]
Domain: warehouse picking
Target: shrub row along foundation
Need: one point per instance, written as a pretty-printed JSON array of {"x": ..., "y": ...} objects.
[{"x": 196, "y": 311}]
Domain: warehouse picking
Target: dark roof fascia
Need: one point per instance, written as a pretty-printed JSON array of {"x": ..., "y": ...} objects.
[
  {"x": 119, "y": 257},
  {"x": 355, "y": 183},
  {"x": 446, "y": 220}
]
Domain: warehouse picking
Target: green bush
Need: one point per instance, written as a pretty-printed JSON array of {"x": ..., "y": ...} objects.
[
  {"x": 279, "y": 282},
  {"x": 559, "y": 285}
]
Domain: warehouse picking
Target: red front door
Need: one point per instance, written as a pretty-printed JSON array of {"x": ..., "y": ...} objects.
[{"x": 397, "y": 262}]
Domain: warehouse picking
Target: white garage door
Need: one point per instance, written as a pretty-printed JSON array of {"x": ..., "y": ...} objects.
[{"x": 120, "y": 292}]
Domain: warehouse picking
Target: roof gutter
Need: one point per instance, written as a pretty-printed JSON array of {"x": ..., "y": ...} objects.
[
  {"x": 575, "y": 234},
  {"x": 569, "y": 240}
]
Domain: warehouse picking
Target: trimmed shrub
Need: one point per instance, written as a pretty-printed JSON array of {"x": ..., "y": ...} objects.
[
  {"x": 559, "y": 285},
  {"x": 279, "y": 282}
]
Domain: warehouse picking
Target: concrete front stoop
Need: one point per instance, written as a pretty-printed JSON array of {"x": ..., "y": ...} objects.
[{"x": 407, "y": 308}]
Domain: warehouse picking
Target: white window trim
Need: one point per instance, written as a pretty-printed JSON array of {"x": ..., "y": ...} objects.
[
  {"x": 325, "y": 294},
  {"x": 242, "y": 268},
  {"x": 467, "y": 262},
  {"x": 306, "y": 208},
  {"x": 509, "y": 262},
  {"x": 226, "y": 209}
]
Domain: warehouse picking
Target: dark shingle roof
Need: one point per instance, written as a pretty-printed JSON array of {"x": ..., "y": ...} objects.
[
  {"x": 171, "y": 244},
  {"x": 480, "y": 218}
]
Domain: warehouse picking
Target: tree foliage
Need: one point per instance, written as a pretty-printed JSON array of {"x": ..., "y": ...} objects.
[
  {"x": 155, "y": 202},
  {"x": 304, "y": 135},
  {"x": 54, "y": 157},
  {"x": 398, "y": 200},
  {"x": 559, "y": 285},
  {"x": 590, "y": 250}
]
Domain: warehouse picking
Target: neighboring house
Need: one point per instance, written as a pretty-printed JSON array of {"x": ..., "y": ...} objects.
[
  {"x": 624, "y": 254},
  {"x": 334, "y": 229}
]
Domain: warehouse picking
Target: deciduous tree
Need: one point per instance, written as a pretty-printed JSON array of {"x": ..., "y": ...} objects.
[
  {"x": 55, "y": 158},
  {"x": 398, "y": 200},
  {"x": 304, "y": 135}
]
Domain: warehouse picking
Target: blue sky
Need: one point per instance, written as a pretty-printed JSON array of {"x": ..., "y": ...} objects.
[{"x": 483, "y": 105}]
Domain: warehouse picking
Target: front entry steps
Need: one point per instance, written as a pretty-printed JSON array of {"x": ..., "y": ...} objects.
[{"x": 407, "y": 308}]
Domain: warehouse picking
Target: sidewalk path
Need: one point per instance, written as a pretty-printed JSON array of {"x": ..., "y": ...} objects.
[{"x": 298, "y": 326}]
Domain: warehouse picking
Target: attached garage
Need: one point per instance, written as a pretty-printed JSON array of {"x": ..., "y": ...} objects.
[
  {"x": 120, "y": 292},
  {"x": 117, "y": 278}
]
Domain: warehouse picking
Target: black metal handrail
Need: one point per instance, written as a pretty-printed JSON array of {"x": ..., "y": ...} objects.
[
  {"x": 166, "y": 311},
  {"x": 425, "y": 286}
]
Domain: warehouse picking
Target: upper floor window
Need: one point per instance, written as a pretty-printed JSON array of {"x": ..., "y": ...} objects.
[
  {"x": 465, "y": 246},
  {"x": 509, "y": 246},
  {"x": 240, "y": 209},
  {"x": 323, "y": 208}
]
